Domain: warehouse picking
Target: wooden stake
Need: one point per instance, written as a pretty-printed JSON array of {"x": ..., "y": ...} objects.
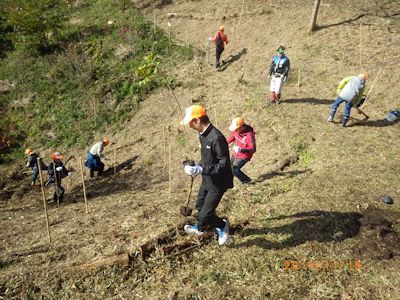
[
  {"x": 56, "y": 183},
  {"x": 170, "y": 168},
  {"x": 372, "y": 86},
  {"x": 215, "y": 117},
  {"x": 83, "y": 186},
  {"x": 70, "y": 180},
  {"x": 360, "y": 46},
  {"x": 155, "y": 23},
  {"x": 298, "y": 81},
  {"x": 115, "y": 160},
  {"x": 44, "y": 198},
  {"x": 241, "y": 12}
]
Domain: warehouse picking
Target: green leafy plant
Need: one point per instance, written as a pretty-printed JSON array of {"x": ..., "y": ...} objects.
[{"x": 35, "y": 23}]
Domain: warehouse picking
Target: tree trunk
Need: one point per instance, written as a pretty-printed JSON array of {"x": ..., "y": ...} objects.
[{"x": 313, "y": 25}]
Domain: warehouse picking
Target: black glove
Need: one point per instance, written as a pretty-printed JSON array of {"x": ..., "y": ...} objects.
[{"x": 361, "y": 102}]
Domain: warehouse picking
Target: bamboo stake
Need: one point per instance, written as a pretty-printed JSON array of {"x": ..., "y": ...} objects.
[
  {"x": 44, "y": 199},
  {"x": 372, "y": 86},
  {"x": 234, "y": 25},
  {"x": 56, "y": 183},
  {"x": 165, "y": 148},
  {"x": 83, "y": 186},
  {"x": 360, "y": 46},
  {"x": 169, "y": 34},
  {"x": 215, "y": 117},
  {"x": 241, "y": 12},
  {"x": 70, "y": 180},
  {"x": 184, "y": 127},
  {"x": 170, "y": 169},
  {"x": 155, "y": 24}
]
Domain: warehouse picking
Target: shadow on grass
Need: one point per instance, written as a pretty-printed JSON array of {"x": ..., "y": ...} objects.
[
  {"x": 231, "y": 59},
  {"x": 272, "y": 174},
  {"x": 309, "y": 101},
  {"x": 127, "y": 165},
  {"x": 319, "y": 226},
  {"x": 133, "y": 179},
  {"x": 375, "y": 123},
  {"x": 320, "y": 27}
]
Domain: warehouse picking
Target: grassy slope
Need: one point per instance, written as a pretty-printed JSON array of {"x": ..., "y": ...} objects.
[
  {"x": 94, "y": 79},
  {"x": 342, "y": 171}
]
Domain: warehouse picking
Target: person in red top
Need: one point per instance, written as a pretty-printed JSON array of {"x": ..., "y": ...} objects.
[
  {"x": 245, "y": 146},
  {"x": 220, "y": 39}
]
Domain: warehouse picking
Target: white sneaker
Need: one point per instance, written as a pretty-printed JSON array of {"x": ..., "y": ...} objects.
[
  {"x": 192, "y": 229},
  {"x": 223, "y": 234},
  {"x": 330, "y": 119}
]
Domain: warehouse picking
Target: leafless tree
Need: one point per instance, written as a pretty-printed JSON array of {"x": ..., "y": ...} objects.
[{"x": 313, "y": 24}]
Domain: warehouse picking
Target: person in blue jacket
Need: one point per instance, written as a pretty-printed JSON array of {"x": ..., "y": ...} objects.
[{"x": 278, "y": 72}]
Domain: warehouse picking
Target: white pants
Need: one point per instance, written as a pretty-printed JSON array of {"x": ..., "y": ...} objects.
[{"x": 276, "y": 84}]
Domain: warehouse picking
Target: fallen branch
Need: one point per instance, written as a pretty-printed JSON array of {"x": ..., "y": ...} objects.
[
  {"x": 196, "y": 241},
  {"x": 166, "y": 237},
  {"x": 286, "y": 162}
]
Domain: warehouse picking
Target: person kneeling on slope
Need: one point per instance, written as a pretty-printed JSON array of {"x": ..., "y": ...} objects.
[{"x": 93, "y": 161}]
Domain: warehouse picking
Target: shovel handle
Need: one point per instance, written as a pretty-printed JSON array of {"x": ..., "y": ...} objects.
[
  {"x": 363, "y": 113},
  {"x": 190, "y": 191}
]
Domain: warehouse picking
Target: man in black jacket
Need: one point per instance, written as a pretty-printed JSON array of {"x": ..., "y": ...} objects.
[
  {"x": 57, "y": 171},
  {"x": 216, "y": 172}
]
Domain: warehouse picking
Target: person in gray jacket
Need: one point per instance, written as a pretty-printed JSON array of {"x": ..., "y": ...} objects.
[{"x": 351, "y": 91}]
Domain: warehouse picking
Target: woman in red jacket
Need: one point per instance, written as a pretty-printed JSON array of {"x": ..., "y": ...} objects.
[{"x": 245, "y": 146}]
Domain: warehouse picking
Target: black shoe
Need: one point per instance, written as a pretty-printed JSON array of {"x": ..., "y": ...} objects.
[{"x": 91, "y": 174}]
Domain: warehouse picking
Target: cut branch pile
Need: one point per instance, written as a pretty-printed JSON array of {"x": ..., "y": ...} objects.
[{"x": 175, "y": 249}]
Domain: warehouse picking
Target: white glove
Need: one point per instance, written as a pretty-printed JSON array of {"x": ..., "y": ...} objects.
[
  {"x": 69, "y": 173},
  {"x": 27, "y": 164},
  {"x": 59, "y": 169},
  {"x": 210, "y": 38},
  {"x": 236, "y": 149},
  {"x": 193, "y": 170}
]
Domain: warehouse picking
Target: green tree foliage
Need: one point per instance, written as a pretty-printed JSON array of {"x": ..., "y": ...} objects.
[
  {"x": 5, "y": 42},
  {"x": 65, "y": 97},
  {"x": 35, "y": 23}
]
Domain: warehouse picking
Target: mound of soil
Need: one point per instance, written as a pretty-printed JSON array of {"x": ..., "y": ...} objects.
[{"x": 378, "y": 240}]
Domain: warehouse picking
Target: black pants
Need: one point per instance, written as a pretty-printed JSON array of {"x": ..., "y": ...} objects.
[
  {"x": 207, "y": 202},
  {"x": 218, "y": 52},
  {"x": 60, "y": 191}
]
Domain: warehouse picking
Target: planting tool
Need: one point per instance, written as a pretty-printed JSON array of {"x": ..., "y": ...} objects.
[
  {"x": 69, "y": 158},
  {"x": 186, "y": 210}
]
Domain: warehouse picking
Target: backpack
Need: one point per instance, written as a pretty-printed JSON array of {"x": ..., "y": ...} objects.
[{"x": 219, "y": 42}]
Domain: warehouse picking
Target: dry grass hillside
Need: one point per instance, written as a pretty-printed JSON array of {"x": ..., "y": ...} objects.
[{"x": 324, "y": 207}]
